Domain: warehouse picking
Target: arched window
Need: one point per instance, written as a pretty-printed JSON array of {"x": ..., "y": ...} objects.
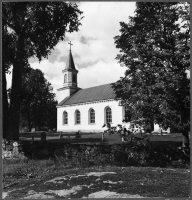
[
  {"x": 77, "y": 117},
  {"x": 108, "y": 115},
  {"x": 65, "y": 117},
  {"x": 91, "y": 116},
  {"x": 65, "y": 78}
]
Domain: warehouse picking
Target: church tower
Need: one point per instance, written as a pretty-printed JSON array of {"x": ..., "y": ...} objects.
[{"x": 69, "y": 79}]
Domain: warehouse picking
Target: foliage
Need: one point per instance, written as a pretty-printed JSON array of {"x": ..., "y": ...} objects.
[
  {"x": 41, "y": 24},
  {"x": 130, "y": 132},
  {"x": 38, "y": 107},
  {"x": 31, "y": 29},
  {"x": 136, "y": 153},
  {"x": 154, "y": 46}
]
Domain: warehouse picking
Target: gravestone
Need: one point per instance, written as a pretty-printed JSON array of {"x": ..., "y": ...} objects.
[
  {"x": 32, "y": 129},
  {"x": 60, "y": 135}
]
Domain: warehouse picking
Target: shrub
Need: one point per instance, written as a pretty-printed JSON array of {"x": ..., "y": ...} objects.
[{"x": 135, "y": 153}]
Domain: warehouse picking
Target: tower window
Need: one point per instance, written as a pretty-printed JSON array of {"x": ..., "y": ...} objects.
[
  {"x": 77, "y": 117},
  {"x": 74, "y": 78},
  {"x": 65, "y": 78},
  {"x": 65, "y": 117},
  {"x": 108, "y": 115},
  {"x": 91, "y": 116}
]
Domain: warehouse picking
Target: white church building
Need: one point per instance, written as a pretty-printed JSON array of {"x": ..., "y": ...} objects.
[{"x": 86, "y": 110}]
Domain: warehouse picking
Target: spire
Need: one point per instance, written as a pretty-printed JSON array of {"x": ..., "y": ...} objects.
[
  {"x": 70, "y": 63},
  {"x": 70, "y": 44},
  {"x": 69, "y": 77}
]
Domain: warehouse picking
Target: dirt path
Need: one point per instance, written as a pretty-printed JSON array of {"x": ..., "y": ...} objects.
[{"x": 107, "y": 183}]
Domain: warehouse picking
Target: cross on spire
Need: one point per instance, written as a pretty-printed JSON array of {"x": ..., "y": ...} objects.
[{"x": 70, "y": 44}]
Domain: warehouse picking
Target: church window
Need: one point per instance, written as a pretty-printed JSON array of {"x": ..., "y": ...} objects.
[
  {"x": 108, "y": 115},
  {"x": 65, "y": 78},
  {"x": 77, "y": 117},
  {"x": 65, "y": 117},
  {"x": 91, "y": 116}
]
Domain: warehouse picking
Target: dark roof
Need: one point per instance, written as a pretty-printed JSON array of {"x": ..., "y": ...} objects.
[
  {"x": 97, "y": 93},
  {"x": 70, "y": 63}
]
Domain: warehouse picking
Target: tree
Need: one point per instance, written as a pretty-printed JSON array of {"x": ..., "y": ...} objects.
[
  {"x": 38, "y": 107},
  {"x": 6, "y": 63},
  {"x": 32, "y": 29},
  {"x": 155, "y": 48}
]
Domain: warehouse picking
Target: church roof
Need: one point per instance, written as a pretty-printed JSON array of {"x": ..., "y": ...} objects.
[
  {"x": 70, "y": 63},
  {"x": 97, "y": 93}
]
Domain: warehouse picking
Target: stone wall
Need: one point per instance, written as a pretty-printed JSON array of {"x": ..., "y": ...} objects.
[{"x": 118, "y": 154}]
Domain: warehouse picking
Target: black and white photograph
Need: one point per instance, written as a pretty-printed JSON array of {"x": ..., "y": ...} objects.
[{"x": 95, "y": 99}]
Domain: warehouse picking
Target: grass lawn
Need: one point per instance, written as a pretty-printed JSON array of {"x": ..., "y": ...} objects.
[{"x": 155, "y": 139}]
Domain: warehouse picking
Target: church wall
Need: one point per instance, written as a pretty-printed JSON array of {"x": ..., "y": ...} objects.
[
  {"x": 85, "y": 126},
  {"x": 68, "y": 88},
  {"x": 63, "y": 94}
]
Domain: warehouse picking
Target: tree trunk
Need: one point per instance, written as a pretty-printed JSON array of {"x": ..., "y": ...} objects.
[
  {"x": 5, "y": 105},
  {"x": 161, "y": 132},
  {"x": 185, "y": 139},
  {"x": 15, "y": 102},
  {"x": 14, "y": 111},
  {"x": 29, "y": 120}
]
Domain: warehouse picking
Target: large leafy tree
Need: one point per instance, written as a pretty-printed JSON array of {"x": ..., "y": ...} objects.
[
  {"x": 155, "y": 48},
  {"x": 31, "y": 29},
  {"x": 38, "y": 107}
]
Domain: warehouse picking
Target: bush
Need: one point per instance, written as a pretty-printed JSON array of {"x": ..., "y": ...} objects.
[{"x": 127, "y": 154}]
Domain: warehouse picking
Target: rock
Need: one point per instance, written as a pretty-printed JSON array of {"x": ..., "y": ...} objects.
[
  {"x": 7, "y": 154},
  {"x": 30, "y": 192},
  {"x": 15, "y": 152},
  {"x": 22, "y": 156},
  {"x": 30, "y": 175},
  {"x": 8, "y": 148}
]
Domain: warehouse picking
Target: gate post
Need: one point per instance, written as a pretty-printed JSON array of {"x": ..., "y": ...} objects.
[
  {"x": 43, "y": 137},
  {"x": 102, "y": 137}
]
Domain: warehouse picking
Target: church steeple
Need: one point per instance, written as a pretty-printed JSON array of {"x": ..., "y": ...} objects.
[
  {"x": 70, "y": 63},
  {"x": 69, "y": 78},
  {"x": 70, "y": 73}
]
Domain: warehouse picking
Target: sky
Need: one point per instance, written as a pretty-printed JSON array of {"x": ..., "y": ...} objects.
[{"x": 93, "y": 48}]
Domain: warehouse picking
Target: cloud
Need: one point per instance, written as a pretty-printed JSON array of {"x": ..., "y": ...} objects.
[
  {"x": 95, "y": 39},
  {"x": 100, "y": 73},
  {"x": 93, "y": 46},
  {"x": 101, "y": 19}
]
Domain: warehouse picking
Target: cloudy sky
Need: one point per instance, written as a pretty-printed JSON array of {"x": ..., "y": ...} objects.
[{"x": 93, "y": 46}]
